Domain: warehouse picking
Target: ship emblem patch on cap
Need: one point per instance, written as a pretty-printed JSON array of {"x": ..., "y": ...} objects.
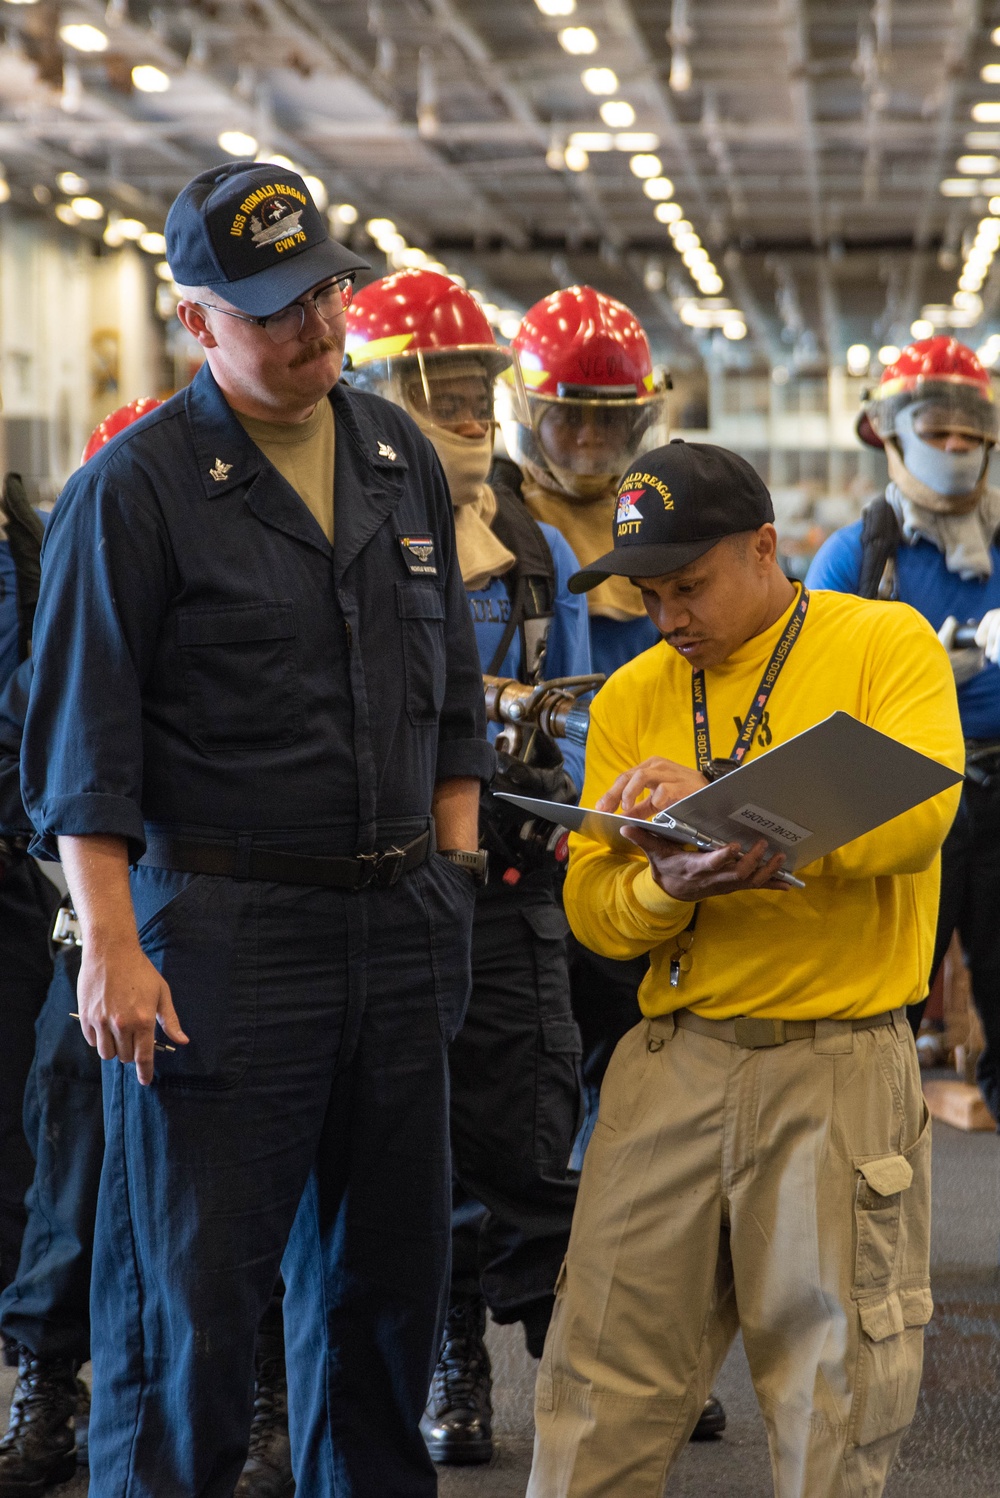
[
  {"x": 276, "y": 219},
  {"x": 627, "y": 507},
  {"x": 273, "y": 214}
]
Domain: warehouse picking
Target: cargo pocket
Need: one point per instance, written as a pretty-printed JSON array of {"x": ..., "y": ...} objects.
[
  {"x": 420, "y": 607},
  {"x": 890, "y": 1362},
  {"x": 892, "y": 1287},
  {"x": 559, "y": 1049}
]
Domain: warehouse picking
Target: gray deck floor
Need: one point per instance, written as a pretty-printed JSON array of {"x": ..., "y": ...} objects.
[{"x": 951, "y": 1450}]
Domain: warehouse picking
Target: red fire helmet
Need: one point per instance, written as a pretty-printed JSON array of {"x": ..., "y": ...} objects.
[
  {"x": 590, "y": 401},
  {"x": 580, "y": 340},
  {"x": 945, "y": 379},
  {"x": 411, "y": 330},
  {"x": 116, "y": 422}
]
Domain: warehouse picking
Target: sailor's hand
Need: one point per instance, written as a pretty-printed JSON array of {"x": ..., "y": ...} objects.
[
  {"x": 665, "y": 781},
  {"x": 121, "y": 995},
  {"x": 697, "y": 876},
  {"x": 964, "y": 663},
  {"x": 988, "y": 636}
]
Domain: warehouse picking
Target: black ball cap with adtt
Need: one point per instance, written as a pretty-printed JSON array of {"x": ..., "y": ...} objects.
[
  {"x": 676, "y": 503},
  {"x": 251, "y": 232}
]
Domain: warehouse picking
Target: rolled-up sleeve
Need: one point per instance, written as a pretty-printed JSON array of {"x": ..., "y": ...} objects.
[
  {"x": 13, "y": 706},
  {"x": 105, "y": 584},
  {"x": 463, "y": 750}
]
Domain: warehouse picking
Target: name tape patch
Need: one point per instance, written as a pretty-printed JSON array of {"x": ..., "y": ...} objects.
[
  {"x": 418, "y": 554},
  {"x": 778, "y": 829}
]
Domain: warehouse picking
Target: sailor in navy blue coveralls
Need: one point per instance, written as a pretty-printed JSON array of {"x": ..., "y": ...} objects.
[
  {"x": 220, "y": 687},
  {"x": 27, "y": 904}
]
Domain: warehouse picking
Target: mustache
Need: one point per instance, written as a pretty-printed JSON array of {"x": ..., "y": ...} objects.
[{"x": 314, "y": 350}]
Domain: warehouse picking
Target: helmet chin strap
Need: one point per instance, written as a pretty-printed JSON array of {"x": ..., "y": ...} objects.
[{"x": 920, "y": 493}]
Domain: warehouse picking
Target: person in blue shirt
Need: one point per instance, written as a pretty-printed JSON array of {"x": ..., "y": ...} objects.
[
  {"x": 421, "y": 340},
  {"x": 256, "y": 739},
  {"x": 933, "y": 541}
]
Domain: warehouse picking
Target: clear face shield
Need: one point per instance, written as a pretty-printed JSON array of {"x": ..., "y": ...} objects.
[
  {"x": 451, "y": 390},
  {"x": 585, "y": 437},
  {"x": 939, "y": 409}
]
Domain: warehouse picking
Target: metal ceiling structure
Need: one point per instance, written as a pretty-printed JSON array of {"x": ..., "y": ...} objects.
[{"x": 825, "y": 154}]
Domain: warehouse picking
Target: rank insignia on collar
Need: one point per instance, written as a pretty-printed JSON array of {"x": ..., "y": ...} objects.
[
  {"x": 385, "y": 451},
  {"x": 418, "y": 554},
  {"x": 220, "y": 471}
]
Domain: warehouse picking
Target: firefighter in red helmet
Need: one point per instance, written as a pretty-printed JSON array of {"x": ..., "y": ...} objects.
[
  {"x": 931, "y": 540},
  {"x": 590, "y": 405},
  {"x": 583, "y": 405},
  {"x": 423, "y": 341}
]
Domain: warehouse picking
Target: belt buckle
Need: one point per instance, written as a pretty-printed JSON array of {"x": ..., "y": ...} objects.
[
  {"x": 389, "y": 867},
  {"x": 759, "y": 1034}
]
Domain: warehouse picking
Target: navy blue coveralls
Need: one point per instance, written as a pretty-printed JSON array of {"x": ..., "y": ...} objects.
[
  {"x": 27, "y": 903},
  {"x": 515, "y": 1084},
  {"x": 46, "y": 1306},
  {"x": 208, "y": 666}
]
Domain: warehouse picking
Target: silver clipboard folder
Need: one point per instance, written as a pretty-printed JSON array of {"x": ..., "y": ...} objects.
[{"x": 814, "y": 793}]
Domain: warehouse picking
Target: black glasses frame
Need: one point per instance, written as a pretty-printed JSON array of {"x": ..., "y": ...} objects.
[{"x": 344, "y": 283}]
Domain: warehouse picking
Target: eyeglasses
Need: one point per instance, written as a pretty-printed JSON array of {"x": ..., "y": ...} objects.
[{"x": 283, "y": 326}]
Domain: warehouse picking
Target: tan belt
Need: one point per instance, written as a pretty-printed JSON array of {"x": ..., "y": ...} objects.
[{"x": 758, "y": 1034}]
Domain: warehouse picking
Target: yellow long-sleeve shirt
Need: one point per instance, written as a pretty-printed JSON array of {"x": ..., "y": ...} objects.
[{"x": 858, "y": 939}]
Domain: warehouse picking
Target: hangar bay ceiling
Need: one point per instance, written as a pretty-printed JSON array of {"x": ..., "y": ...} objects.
[{"x": 769, "y": 183}]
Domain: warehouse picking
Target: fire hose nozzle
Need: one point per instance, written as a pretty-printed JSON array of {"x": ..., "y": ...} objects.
[
  {"x": 965, "y": 636},
  {"x": 553, "y": 707}
]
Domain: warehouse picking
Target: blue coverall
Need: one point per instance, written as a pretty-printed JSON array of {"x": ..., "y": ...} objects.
[
  {"x": 515, "y": 1104},
  {"x": 27, "y": 903},
  {"x": 208, "y": 666},
  {"x": 970, "y": 858}
]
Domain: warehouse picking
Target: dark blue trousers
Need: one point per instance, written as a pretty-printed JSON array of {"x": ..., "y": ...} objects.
[
  {"x": 515, "y": 1109},
  {"x": 306, "y": 1127},
  {"x": 27, "y": 904},
  {"x": 47, "y": 1305}
]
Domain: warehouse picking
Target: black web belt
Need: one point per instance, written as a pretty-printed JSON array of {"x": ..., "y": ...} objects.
[{"x": 189, "y": 856}]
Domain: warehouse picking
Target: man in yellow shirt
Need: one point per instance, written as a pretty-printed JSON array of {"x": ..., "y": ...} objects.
[{"x": 761, "y": 1160}]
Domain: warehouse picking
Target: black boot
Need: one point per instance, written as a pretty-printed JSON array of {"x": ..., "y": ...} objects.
[
  {"x": 81, "y": 1424},
  {"x": 39, "y": 1449},
  {"x": 268, "y": 1469},
  {"x": 711, "y": 1421},
  {"x": 457, "y": 1424}
]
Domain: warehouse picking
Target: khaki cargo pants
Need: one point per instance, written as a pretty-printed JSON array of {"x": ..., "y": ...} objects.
[{"x": 783, "y": 1192}]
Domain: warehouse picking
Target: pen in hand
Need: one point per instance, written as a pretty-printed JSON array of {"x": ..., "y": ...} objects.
[{"x": 156, "y": 1044}]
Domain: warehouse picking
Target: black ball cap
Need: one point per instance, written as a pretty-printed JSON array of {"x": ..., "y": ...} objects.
[
  {"x": 675, "y": 504},
  {"x": 250, "y": 231}
]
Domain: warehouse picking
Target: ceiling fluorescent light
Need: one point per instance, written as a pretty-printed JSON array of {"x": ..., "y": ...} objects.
[
  {"x": 978, "y": 166},
  {"x": 83, "y": 37},
  {"x": 637, "y": 140},
  {"x": 599, "y": 80},
  {"x": 618, "y": 113},
  {"x": 578, "y": 41},
  {"x": 591, "y": 140}
]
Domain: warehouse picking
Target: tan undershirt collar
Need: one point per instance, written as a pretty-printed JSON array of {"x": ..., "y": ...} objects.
[{"x": 303, "y": 452}]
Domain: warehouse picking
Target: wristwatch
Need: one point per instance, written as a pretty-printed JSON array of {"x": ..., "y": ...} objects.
[{"x": 477, "y": 863}]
